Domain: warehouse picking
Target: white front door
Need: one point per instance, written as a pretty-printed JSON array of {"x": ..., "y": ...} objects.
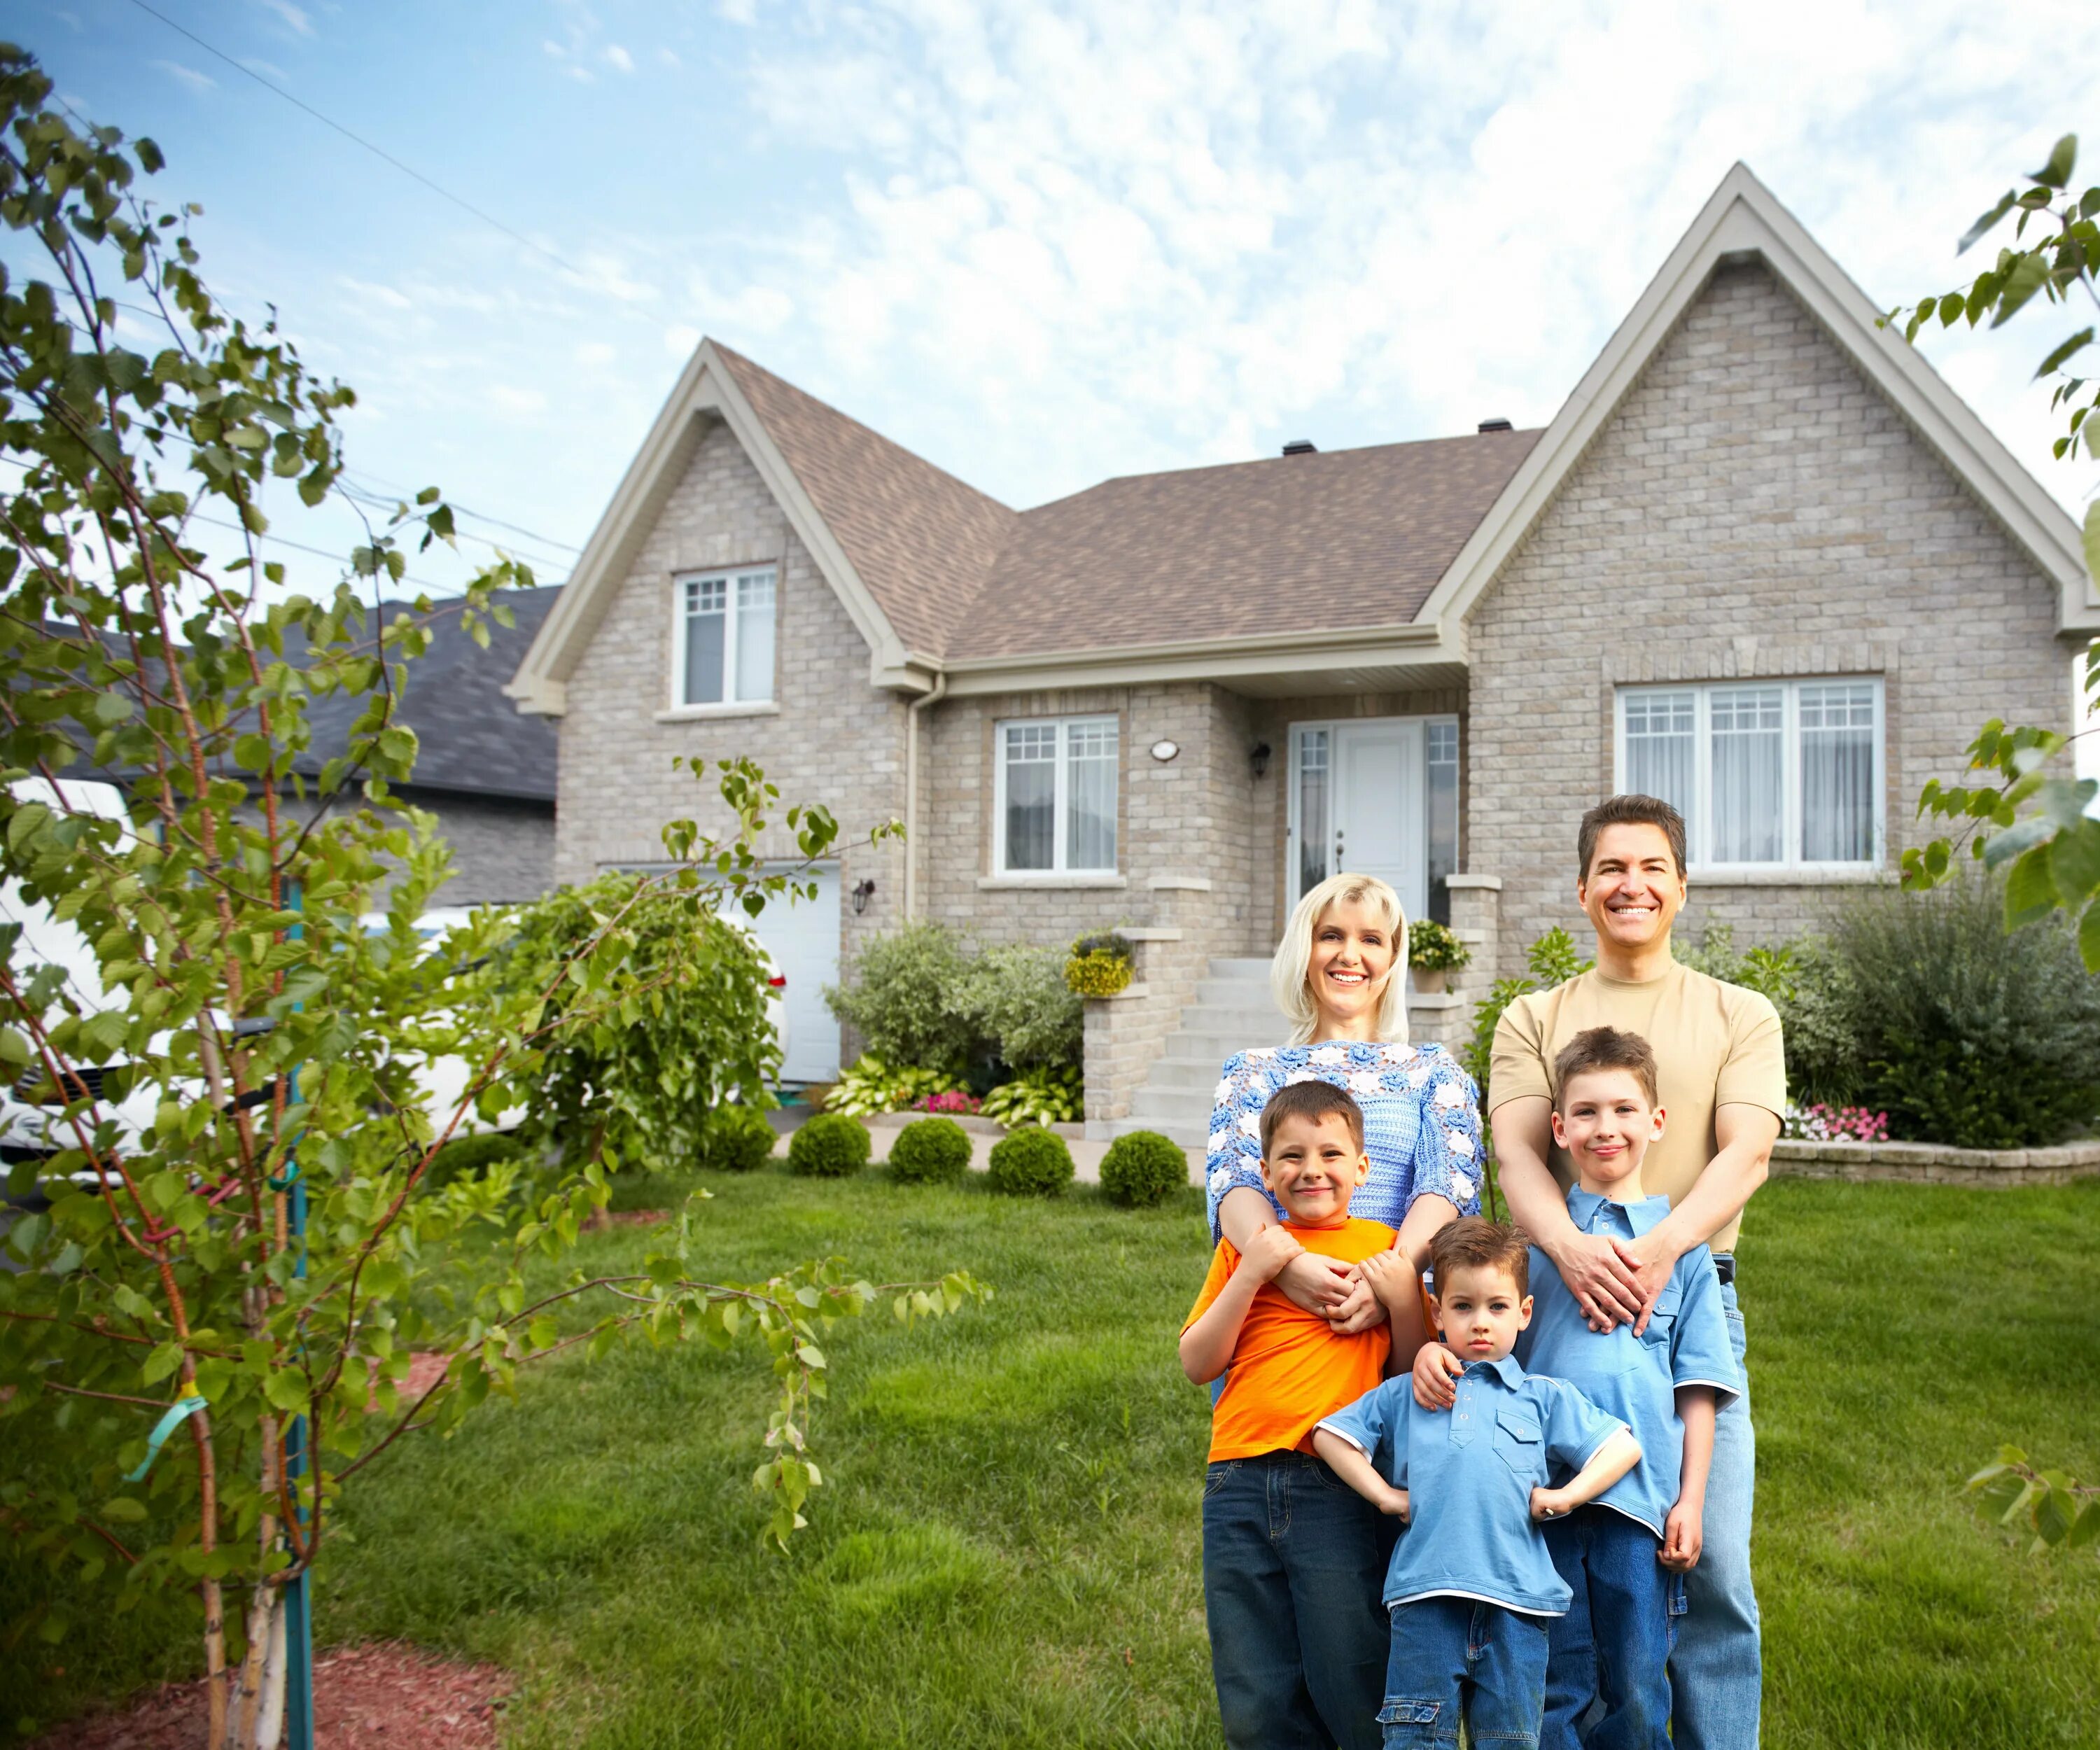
[
  {"x": 1378, "y": 806},
  {"x": 802, "y": 935}
]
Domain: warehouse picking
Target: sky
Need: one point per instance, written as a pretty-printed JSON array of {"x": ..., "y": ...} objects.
[{"x": 1039, "y": 245}]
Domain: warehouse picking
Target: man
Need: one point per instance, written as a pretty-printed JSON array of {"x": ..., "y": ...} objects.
[{"x": 1723, "y": 1084}]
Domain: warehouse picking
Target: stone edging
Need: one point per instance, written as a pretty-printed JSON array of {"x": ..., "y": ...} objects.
[
  {"x": 1930, "y": 1163},
  {"x": 892, "y": 1121}
]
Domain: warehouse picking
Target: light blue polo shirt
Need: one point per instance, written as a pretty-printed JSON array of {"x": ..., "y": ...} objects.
[
  {"x": 1635, "y": 1379},
  {"x": 1469, "y": 1472}
]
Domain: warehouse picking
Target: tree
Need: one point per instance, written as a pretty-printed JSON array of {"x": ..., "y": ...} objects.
[
  {"x": 2053, "y": 848},
  {"x": 256, "y": 1046}
]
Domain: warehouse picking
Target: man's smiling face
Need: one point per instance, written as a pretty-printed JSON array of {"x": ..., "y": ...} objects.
[{"x": 1634, "y": 888}]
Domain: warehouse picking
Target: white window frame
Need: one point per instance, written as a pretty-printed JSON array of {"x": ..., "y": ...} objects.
[
  {"x": 1698, "y": 822},
  {"x": 1059, "y": 813},
  {"x": 732, "y": 583}
]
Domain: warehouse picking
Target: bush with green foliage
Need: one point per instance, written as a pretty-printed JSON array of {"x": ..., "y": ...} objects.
[
  {"x": 869, "y": 1085},
  {"x": 1018, "y": 1002},
  {"x": 1143, "y": 1168},
  {"x": 735, "y": 1139},
  {"x": 471, "y": 1156},
  {"x": 930, "y": 1152},
  {"x": 1031, "y": 1163},
  {"x": 909, "y": 999},
  {"x": 829, "y": 1146},
  {"x": 1038, "y": 1096},
  {"x": 1963, "y": 1034}
]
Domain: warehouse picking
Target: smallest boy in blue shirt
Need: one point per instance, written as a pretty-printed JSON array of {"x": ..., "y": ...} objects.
[
  {"x": 1625, "y": 1558},
  {"x": 1470, "y": 1587}
]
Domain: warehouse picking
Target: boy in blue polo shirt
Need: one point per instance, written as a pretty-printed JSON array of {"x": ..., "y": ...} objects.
[
  {"x": 1624, "y": 1557},
  {"x": 1470, "y": 1587}
]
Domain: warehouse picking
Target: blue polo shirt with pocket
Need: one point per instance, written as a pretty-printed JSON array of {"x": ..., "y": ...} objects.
[
  {"x": 1469, "y": 1472},
  {"x": 1635, "y": 1379}
]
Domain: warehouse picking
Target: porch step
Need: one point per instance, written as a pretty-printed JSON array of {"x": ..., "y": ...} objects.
[{"x": 1233, "y": 1012}]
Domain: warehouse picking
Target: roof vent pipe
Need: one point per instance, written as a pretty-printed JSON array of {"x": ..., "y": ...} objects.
[
  {"x": 1497, "y": 424},
  {"x": 1301, "y": 447}
]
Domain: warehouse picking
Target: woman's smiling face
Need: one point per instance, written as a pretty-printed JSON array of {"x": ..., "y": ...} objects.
[{"x": 1352, "y": 957}]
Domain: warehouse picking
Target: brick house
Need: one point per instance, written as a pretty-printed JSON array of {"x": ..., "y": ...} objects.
[{"x": 1170, "y": 703}]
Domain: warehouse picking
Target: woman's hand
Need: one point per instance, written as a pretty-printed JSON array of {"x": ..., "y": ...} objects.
[
  {"x": 1316, "y": 1283},
  {"x": 1360, "y": 1309}
]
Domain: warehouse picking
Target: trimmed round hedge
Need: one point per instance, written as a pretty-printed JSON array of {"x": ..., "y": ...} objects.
[
  {"x": 736, "y": 1139},
  {"x": 471, "y": 1156},
  {"x": 1139, "y": 1170},
  {"x": 930, "y": 1152},
  {"x": 1032, "y": 1162},
  {"x": 829, "y": 1146}
]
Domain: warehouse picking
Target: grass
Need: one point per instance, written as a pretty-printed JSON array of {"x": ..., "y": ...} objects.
[{"x": 1006, "y": 1550}]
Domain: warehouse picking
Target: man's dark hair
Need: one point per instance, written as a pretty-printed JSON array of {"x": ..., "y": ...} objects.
[
  {"x": 1472, "y": 1242},
  {"x": 1628, "y": 810},
  {"x": 1312, "y": 1100},
  {"x": 1604, "y": 1048}
]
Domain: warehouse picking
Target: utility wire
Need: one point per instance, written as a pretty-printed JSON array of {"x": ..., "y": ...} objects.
[
  {"x": 377, "y": 152},
  {"x": 365, "y": 475}
]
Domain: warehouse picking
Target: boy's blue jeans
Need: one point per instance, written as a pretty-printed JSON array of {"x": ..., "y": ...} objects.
[
  {"x": 1450, "y": 1654},
  {"x": 1294, "y": 1559},
  {"x": 1612, "y": 1647}
]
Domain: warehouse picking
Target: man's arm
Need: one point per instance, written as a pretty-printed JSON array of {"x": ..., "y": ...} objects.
[
  {"x": 1744, "y": 1135},
  {"x": 1311, "y": 1282},
  {"x": 1684, "y": 1532},
  {"x": 1207, "y": 1345},
  {"x": 1349, "y": 1463}
]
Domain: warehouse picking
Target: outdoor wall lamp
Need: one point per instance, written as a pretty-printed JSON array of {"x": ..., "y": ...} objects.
[
  {"x": 1258, "y": 758},
  {"x": 863, "y": 890}
]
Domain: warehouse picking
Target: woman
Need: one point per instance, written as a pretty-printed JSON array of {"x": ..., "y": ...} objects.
[{"x": 1339, "y": 975}]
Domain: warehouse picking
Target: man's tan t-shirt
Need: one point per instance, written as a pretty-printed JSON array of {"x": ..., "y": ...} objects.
[{"x": 1715, "y": 1045}]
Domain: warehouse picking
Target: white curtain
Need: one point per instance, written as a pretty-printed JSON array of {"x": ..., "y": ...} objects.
[
  {"x": 1031, "y": 795},
  {"x": 1749, "y": 821},
  {"x": 1090, "y": 792},
  {"x": 1312, "y": 810},
  {"x": 1838, "y": 773},
  {"x": 754, "y": 637},
  {"x": 1662, "y": 746},
  {"x": 706, "y": 618}
]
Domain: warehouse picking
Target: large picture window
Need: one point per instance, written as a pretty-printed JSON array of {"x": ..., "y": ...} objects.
[
  {"x": 1768, "y": 775},
  {"x": 1056, "y": 796},
  {"x": 724, "y": 639}
]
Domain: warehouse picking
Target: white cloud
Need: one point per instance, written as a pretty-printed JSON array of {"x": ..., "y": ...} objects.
[
  {"x": 679, "y": 340},
  {"x": 187, "y": 76},
  {"x": 618, "y": 57},
  {"x": 512, "y": 399},
  {"x": 268, "y": 69},
  {"x": 595, "y": 354},
  {"x": 738, "y": 11},
  {"x": 289, "y": 15},
  {"x": 667, "y": 56}
]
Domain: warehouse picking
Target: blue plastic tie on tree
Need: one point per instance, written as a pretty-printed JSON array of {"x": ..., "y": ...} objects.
[
  {"x": 284, "y": 1180},
  {"x": 175, "y": 1415}
]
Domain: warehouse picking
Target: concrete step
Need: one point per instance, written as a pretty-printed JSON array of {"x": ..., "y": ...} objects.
[
  {"x": 1216, "y": 1047},
  {"x": 1257, "y": 1026},
  {"x": 1192, "y": 1137},
  {"x": 1236, "y": 993},
  {"x": 1182, "y": 1104},
  {"x": 1229, "y": 968},
  {"x": 1198, "y": 1075}
]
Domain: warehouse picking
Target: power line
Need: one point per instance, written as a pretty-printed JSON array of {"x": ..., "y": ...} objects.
[
  {"x": 460, "y": 509},
  {"x": 377, "y": 152}
]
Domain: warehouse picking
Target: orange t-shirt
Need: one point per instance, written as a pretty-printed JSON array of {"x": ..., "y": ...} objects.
[{"x": 1288, "y": 1368}]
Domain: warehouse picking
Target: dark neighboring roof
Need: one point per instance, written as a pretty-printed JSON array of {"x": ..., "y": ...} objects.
[
  {"x": 1333, "y": 539},
  {"x": 922, "y": 541},
  {"x": 471, "y": 738},
  {"x": 1322, "y": 541}
]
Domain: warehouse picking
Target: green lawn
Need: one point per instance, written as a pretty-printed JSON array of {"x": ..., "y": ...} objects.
[{"x": 1006, "y": 1552}]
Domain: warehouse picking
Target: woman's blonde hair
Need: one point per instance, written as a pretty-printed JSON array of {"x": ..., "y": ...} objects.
[{"x": 1292, "y": 971}]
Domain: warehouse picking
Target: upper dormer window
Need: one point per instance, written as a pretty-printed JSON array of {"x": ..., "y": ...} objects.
[{"x": 723, "y": 638}]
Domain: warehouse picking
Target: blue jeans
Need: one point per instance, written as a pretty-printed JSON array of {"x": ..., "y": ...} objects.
[
  {"x": 1453, "y": 1655},
  {"x": 1612, "y": 1645},
  {"x": 1293, "y": 1560},
  {"x": 1716, "y": 1667}
]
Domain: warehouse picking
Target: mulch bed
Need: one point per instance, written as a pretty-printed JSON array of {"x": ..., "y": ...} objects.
[{"x": 383, "y": 1692}]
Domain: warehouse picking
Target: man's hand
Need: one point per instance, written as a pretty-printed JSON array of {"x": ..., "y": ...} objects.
[
  {"x": 1683, "y": 1536},
  {"x": 1552, "y": 1504},
  {"x": 1606, "y": 1283},
  {"x": 1311, "y": 1282},
  {"x": 1436, "y": 1372},
  {"x": 1269, "y": 1251}
]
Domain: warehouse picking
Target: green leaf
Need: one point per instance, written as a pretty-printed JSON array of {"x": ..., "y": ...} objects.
[
  {"x": 2054, "y": 1511},
  {"x": 2089, "y": 937},
  {"x": 2092, "y": 539},
  {"x": 13, "y": 1049},
  {"x": 2030, "y": 888},
  {"x": 2062, "y": 156},
  {"x": 2083, "y": 337},
  {"x": 2086, "y": 1527},
  {"x": 2073, "y": 861},
  {"x": 121, "y": 1510},
  {"x": 2030, "y": 274},
  {"x": 163, "y": 1361},
  {"x": 287, "y": 1391},
  {"x": 1987, "y": 220}
]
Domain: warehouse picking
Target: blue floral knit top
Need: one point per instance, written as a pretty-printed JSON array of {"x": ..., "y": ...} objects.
[{"x": 1421, "y": 1123}]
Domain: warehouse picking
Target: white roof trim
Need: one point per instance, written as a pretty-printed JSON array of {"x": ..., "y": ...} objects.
[
  {"x": 1743, "y": 218},
  {"x": 706, "y": 391},
  {"x": 1312, "y": 653}
]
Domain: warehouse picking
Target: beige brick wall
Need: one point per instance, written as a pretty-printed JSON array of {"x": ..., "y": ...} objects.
[
  {"x": 835, "y": 740},
  {"x": 1755, "y": 508}
]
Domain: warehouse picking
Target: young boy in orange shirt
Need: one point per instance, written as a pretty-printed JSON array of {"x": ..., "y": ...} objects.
[{"x": 1293, "y": 1558}]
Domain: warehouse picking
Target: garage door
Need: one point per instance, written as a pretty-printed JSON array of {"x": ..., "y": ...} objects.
[{"x": 802, "y": 935}]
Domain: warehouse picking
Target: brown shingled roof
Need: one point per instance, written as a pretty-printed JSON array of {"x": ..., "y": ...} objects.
[
  {"x": 1296, "y": 543},
  {"x": 922, "y": 541},
  {"x": 1293, "y": 543}
]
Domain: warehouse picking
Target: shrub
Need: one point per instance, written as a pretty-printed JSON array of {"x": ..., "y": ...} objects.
[
  {"x": 950, "y": 1103},
  {"x": 1031, "y": 1163},
  {"x": 871, "y": 1086},
  {"x": 1434, "y": 947},
  {"x": 471, "y": 1156},
  {"x": 909, "y": 997},
  {"x": 1141, "y": 1168},
  {"x": 1967, "y": 1035},
  {"x": 1038, "y": 1096},
  {"x": 1018, "y": 1000},
  {"x": 735, "y": 1139},
  {"x": 930, "y": 1152},
  {"x": 829, "y": 1146}
]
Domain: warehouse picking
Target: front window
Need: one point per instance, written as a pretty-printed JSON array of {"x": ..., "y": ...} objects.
[
  {"x": 1443, "y": 816},
  {"x": 1056, "y": 802},
  {"x": 725, "y": 639},
  {"x": 1768, "y": 775}
]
